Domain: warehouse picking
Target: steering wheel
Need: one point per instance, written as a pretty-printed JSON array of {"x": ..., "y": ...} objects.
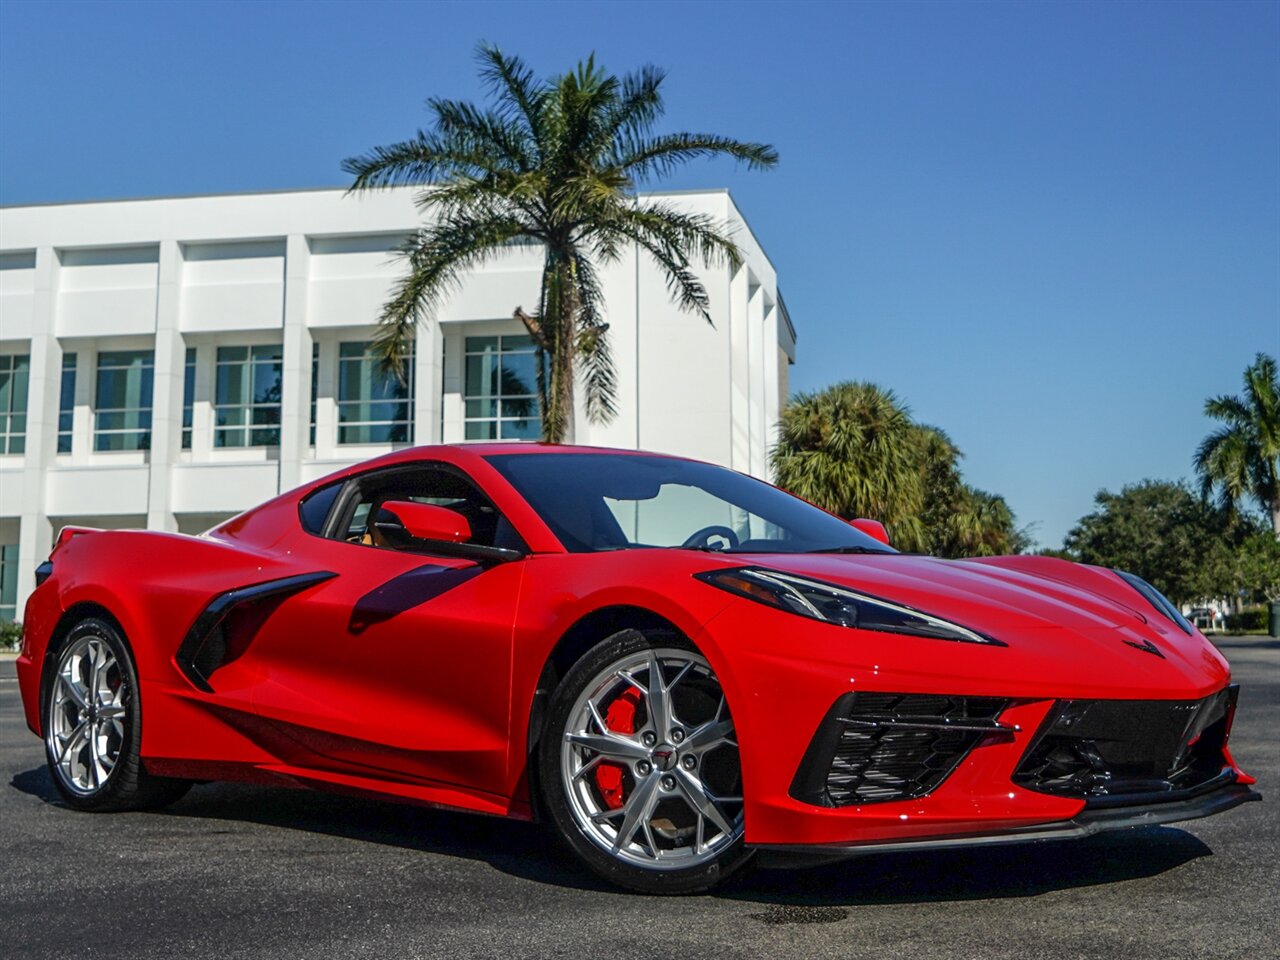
[{"x": 699, "y": 538}]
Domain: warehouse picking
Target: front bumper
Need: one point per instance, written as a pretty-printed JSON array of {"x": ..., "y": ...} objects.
[
  {"x": 783, "y": 677},
  {"x": 1089, "y": 822}
]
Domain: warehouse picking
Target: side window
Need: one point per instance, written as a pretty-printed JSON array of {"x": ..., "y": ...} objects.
[
  {"x": 314, "y": 509},
  {"x": 437, "y": 485}
]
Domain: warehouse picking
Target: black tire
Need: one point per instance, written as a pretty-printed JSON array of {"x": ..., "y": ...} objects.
[
  {"x": 127, "y": 785},
  {"x": 553, "y": 780}
]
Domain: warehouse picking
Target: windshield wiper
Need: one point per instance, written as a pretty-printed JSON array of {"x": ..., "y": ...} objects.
[{"x": 849, "y": 550}]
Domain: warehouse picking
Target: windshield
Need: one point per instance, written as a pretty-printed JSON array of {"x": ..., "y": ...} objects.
[{"x": 602, "y": 501}]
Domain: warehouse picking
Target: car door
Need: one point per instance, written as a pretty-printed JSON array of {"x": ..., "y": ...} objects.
[{"x": 400, "y": 663}]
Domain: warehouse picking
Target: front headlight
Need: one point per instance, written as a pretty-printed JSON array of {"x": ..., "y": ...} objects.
[{"x": 836, "y": 605}]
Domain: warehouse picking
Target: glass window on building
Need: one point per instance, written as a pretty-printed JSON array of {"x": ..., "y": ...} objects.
[
  {"x": 315, "y": 387},
  {"x": 246, "y": 405},
  {"x": 122, "y": 411},
  {"x": 67, "y": 403},
  {"x": 9, "y": 581},
  {"x": 373, "y": 406},
  {"x": 15, "y": 374},
  {"x": 501, "y": 388},
  {"x": 188, "y": 396}
]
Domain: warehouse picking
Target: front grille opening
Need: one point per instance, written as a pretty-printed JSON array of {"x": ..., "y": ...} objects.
[
  {"x": 880, "y": 747},
  {"x": 1107, "y": 749}
]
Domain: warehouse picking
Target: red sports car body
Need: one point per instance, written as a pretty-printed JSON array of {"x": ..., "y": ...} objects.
[{"x": 675, "y": 664}]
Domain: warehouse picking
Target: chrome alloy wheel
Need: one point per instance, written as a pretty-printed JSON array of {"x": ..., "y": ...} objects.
[
  {"x": 88, "y": 704},
  {"x": 650, "y": 761}
]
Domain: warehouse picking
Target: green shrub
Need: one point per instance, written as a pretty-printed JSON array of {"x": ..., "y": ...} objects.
[
  {"x": 10, "y": 634},
  {"x": 1248, "y": 621}
]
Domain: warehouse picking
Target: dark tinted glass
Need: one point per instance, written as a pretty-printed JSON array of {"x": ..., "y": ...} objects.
[
  {"x": 315, "y": 508},
  {"x": 602, "y": 501},
  {"x": 1157, "y": 600}
]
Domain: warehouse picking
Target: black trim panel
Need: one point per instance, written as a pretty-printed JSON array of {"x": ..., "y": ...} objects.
[
  {"x": 1084, "y": 824},
  {"x": 221, "y": 606},
  {"x": 932, "y": 723},
  {"x": 878, "y": 747}
]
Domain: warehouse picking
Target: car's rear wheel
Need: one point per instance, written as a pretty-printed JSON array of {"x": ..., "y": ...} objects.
[
  {"x": 93, "y": 724},
  {"x": 639, "y": 766}
]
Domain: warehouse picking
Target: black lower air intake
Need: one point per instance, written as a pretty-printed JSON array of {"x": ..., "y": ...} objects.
[
  {"x": 877, "y": 747},
  {"x": 1116, "y": 751}
]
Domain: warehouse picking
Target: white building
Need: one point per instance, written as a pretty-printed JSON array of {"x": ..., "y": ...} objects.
[{"x": 169, "y": 362}]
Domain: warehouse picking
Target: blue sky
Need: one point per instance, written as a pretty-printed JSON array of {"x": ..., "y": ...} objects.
[{"x": 1053, "y": 229}]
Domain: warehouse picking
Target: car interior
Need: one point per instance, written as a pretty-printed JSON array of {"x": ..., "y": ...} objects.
[{"x": 438, "y": 486}]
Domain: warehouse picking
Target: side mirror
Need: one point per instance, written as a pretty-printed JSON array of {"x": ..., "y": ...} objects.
[
  {"x": 425, "y": 521},
  {"x": 872, "y": 528}
]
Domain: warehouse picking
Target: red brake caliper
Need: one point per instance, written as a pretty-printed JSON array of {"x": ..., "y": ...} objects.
[{"x": 620, "y": 718}]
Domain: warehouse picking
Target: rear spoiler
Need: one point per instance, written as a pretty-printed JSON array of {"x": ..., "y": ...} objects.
[{"x": 65, "y": 536}]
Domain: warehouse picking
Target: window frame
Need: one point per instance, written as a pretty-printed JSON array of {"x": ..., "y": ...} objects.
[
  {"x": 188, "y": 396},
  {"x": 9, "y": 438},
  {"x": 407, "y": 401},
  {"x": 338, "y": 520},
  {"x": 143, "y": 435},
  {"x": 498, "y": 419},
  {"x": 247, "y": 430},
  {"x": 9, "y": 563},
  {"x": 67, "y": 402}
]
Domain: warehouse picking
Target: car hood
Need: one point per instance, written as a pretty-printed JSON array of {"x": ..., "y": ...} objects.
[{"x": 1046, "y": 610}]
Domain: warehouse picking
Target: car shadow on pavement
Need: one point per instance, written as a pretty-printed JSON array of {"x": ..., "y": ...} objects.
[
  {"x": 797, "y": 894},
  {"x": 514, "y": 847}
]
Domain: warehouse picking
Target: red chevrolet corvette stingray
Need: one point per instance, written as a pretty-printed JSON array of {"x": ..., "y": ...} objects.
[{"x": 675, "y": 664}]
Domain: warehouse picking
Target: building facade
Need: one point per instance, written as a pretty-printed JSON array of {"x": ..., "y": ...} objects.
[{"x": 170, "y": 362}]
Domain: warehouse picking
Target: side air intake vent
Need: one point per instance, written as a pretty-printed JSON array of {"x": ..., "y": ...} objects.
[{"x": 208, "y": 643}]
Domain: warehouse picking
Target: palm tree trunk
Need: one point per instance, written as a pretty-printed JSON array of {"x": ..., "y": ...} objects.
[
  {"x": 1275, "y": 518},
  {"x": 558, "y": 341}
]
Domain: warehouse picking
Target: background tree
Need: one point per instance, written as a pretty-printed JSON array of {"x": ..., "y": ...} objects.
[
  {"x": 1241, "y": 459},
  {"x": 960, "y": 520},
  {"x": 555, "y": 162},
  {"x": 853, "y": 449},
  {"x": 1162, "y": 532},
  {"x": 1255, "y": 568}
]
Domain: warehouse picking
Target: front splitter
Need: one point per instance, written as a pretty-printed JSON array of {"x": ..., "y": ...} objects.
[{"x": 1085, "y": 824}]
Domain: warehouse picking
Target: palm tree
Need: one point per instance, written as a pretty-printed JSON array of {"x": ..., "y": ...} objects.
[
  {"x": 1242, "y": 458},
  {"x": 852, "y": 449},
  {"x": 553, "y": 162}
]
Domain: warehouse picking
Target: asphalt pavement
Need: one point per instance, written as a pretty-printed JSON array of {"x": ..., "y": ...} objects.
[{"x": 233, "y": 871}]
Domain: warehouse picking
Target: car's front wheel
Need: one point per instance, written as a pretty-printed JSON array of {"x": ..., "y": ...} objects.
[
  {"x": 639, "y": 766},
  {"x": 93, "y": 724}
]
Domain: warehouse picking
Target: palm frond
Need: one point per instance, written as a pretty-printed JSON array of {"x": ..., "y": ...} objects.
[
  {"x": 520, "y": 98},
  {"x": 697, "y": 233},
  {"x": 632, "y": 114},
  {"x": 670, "y": 237},
  {"x": 437, "y": 257},
  {"x": 484, "y": 132},
  {"x": 1227, "y": 409},
  {"x": 417, "y": 162},
  {"x": 685, "y": 288},
  {"x": 661, "y": 156}
]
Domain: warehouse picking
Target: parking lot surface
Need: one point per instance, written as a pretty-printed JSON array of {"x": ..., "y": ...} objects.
[{"x": 234, "y": 871}]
